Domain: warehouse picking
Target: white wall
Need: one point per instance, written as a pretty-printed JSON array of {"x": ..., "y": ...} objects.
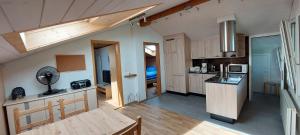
[
  {"x": 22, "y": 72},
  {"x": 102, "y": 62},
  {"x": 2, "y": 97}
]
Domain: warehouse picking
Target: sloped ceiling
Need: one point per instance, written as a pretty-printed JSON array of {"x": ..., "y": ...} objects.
[
  {"x": 23, "y": 15},
  {"x": 253, "y": 17}
]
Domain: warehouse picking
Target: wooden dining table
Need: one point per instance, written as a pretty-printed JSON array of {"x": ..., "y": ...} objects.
[{"x": 101, "y": 121}]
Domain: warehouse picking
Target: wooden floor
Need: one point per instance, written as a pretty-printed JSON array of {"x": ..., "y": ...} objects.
[{"x": 156, "y": 121}]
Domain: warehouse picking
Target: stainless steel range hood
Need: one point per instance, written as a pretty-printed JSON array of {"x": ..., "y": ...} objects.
[{"x": 228, "y": 36}]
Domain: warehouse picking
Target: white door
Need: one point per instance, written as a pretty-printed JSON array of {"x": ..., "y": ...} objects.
[{"x": 260, "y": 71}]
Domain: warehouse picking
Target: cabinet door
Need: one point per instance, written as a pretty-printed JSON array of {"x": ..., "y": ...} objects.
[
  {"x": 37, "y": 116},
  {"x": 56, "y": 108},
  {"x": 79, "y": 105},
  {"x": 201, "y": 49},
  {"x": 92, "y": 99},
  {"x": 241, "y": 45},
  {"x": 179, "y": 83},
  {"x": 195, "y": 49},
  {"x": 179, "y": 57},
  {"x": 25, "y": 120},
  {"x": 216, "y": 47},
  {"x": 10, "y": 117},
  {"x": 168, "y": 64},
  {"x": 195, "y": 83},
  {"x": 212, "y": 47}
]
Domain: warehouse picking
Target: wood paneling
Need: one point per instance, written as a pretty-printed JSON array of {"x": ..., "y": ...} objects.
[
  {"x": 5, "y": 27},
  {"x": 14, "y": 39},
  {"x": 95, "y": 8},
  {"x": 170, "y": 11},
  {"x": 66, "y": 63},
  {"x": 51, "y": 16},
  {"x": 26, "y": 11},
  {"x": 77, "y": 9},
  {"x": 158, "y": 121}
]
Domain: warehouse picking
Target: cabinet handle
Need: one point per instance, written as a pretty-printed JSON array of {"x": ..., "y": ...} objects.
[{"x": 170, "y": 39}]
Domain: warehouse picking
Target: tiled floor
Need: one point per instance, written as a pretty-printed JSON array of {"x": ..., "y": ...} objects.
[{"x": 261, "y": 116}]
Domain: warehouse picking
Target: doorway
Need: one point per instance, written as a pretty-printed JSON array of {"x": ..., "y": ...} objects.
[
  {"x": 152, "y": 69},
  {"x": 264, "y": 65},
  {"x": 107, "y": 72}
]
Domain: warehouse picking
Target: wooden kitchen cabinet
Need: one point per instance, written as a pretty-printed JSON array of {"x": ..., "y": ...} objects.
[
  {"x": 212, "y": 47},
  {"x": 198, "y": 49},
  {"x": 196, "y": 83},
  {"x": 177, "y": 61},
  {"x": 241, "y": 45}
]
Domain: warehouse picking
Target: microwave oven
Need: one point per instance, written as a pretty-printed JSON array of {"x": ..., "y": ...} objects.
[{"x": 238, "y": 68}]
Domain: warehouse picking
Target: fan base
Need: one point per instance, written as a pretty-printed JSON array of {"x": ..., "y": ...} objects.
[{"x": 52, "y": 92}]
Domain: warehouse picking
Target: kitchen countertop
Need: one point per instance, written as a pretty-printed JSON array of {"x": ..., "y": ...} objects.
[
  {"x": 30, "y": 98},
  {"x": 233, "y": 79},
  {"x": 204, "y": 73}
]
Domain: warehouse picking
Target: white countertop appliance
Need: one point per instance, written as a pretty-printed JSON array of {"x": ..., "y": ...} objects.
[
  {"x": 204, "y": 68},
  {"x": 238, "y": 68}
]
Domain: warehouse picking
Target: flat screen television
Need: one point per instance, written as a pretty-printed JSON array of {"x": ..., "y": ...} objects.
[{"x": 106, "y": 76}]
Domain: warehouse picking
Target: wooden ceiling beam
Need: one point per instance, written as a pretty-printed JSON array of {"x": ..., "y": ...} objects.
[
  {"x": 14, "y": 39},
  {"x": 175, "y": 9}
]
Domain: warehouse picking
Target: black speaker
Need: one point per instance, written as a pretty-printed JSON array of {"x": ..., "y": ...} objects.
[
  {"x": 80, "y": 84},
  {"x": 17, "y": 93}
]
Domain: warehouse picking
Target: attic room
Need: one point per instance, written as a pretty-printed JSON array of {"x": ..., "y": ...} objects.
[{"x": 150, "y": 67}]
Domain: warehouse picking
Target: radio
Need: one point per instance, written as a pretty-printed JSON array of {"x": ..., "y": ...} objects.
[{"x": 80, "y": 84}]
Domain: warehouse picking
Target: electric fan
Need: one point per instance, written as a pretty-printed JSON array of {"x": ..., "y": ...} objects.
[{"x": 48, "y": 76}]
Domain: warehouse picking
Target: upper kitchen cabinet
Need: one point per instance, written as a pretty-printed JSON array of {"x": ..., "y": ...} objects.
[
  {"x": 177, "y": 61},
  {"x": 198, "y": 49},
  {"x": 212, "y": 47},
  {"x": 241, "y": 45}
]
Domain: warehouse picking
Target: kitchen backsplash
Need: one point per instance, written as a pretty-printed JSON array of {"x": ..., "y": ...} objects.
[{"x": 218, "y": 61}]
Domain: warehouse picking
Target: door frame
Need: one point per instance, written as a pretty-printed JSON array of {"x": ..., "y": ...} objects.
[
  {"x": 118, "y": 66},
  {"x": 157, "y": 63},
  {"x": 250, "y": 58}
]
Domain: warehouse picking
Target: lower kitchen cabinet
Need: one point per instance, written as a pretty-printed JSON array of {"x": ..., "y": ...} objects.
[{"x": 196, "y": 82}]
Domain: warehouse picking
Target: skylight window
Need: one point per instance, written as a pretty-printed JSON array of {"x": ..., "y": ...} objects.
[{"x": 43, "y": 37}]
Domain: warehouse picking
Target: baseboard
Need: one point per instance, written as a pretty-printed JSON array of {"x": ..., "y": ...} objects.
[
  {"x": 177, "y": 93},
  {"x": 196, "y": 94}
]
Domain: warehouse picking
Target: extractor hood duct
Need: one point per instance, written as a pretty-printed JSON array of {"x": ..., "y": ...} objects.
[{"x": 228, "y": 36}]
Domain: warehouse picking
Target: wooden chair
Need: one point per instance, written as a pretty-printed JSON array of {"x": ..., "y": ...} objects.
[
  {"x": 18, "y": 114},
  {"x": 63, "y": 103},
  {"x": 135, "y": 129}
]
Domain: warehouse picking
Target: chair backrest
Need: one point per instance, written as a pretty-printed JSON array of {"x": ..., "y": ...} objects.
[
  {"x": 135, "y": 129},
  {"x": 63, "y": 103},
  {"x": 18, "y": 114}
]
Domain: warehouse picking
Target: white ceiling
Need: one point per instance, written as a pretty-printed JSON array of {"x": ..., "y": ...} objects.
[
  {"x": 22, "y": 15},
  {"x": 253, "y": 17}
]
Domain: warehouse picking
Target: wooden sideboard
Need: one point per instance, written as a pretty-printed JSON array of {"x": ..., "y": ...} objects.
[{"x": 34, "y": 101}]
